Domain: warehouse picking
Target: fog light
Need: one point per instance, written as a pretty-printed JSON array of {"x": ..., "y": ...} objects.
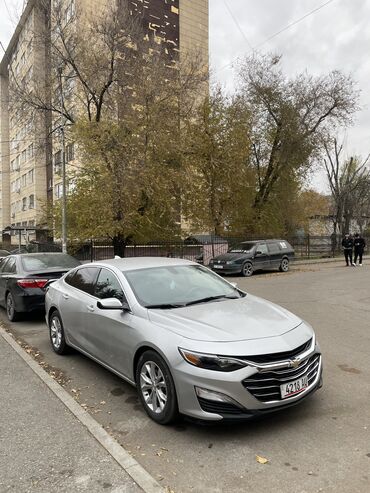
[{"x": 211, "y": 395}]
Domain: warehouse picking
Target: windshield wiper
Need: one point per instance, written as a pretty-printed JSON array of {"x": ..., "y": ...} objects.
[
  {"x": 165, "y": 306},
  {"x": 212, "y": 298}
]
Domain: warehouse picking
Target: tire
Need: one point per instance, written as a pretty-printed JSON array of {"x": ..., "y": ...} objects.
[
  {"x": 284, "y": 265},
  {"x": 11, "y": 312},
  {"x": 156, "y": 388},
  {"x": 56, "y": 334},
  {"x": 247, "y": 269}
]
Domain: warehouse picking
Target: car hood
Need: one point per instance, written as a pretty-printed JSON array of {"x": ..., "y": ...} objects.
[
  {"x": 242, "y": 319},
  {"x": 232, "y": 256}
]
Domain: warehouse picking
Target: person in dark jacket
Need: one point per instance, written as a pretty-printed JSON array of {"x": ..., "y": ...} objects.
[
  {"x": 347, "y": 244},
  {"x": 359, "y": 245}
]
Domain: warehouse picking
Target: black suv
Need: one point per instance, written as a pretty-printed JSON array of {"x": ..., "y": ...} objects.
[{"x": 250, "y": 256}]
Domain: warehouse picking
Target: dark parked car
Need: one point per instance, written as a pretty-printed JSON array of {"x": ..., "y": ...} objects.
[
  {"x": 3, "y": 254},
  {"x": 250, "y": 256},
  {"x": 23, "y": 278}
]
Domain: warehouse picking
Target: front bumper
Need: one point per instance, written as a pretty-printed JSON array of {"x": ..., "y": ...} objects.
[
  {"x": 230, "y": 384},
  {"x": 227, "y": 269}
]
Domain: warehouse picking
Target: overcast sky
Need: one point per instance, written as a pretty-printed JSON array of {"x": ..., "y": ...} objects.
[{"x": 335, "y": 37}]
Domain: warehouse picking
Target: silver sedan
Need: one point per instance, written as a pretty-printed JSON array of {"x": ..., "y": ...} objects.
[{"x": 191, "y": 342}]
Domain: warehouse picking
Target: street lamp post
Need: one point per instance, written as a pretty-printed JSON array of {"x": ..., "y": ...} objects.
[{"x": 64, "y": 179}]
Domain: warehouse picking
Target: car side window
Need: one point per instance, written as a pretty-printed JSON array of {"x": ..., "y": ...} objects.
[
  {"x": 3, "y": 265},
  {"x": 10, "y": 266},
  {"x": 273, "y": 248},
  {"x": 69, "y": 277},
  {"x": 262, "y": 248},
  {"x": 84, "y": 279},
  {"x": 108, "y": 286}
]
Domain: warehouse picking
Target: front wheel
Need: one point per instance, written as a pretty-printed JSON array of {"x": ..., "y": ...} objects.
[
  {"x": 11, "y": 312},
  {"x": 284, "y": 266},
  {"x": 156, "y": 388},
  {"x": 56, "y": 332},
  {"x": 247, "y": 269}
]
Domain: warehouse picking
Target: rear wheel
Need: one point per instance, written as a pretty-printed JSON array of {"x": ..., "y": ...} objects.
[
  {"x": 284, "y": 266},
  {"x": 156, "y": 388},
  {"x": 56, "y": 332},
  {"x": 11, "y": 312},
  {"x": 247, "y": 269}
]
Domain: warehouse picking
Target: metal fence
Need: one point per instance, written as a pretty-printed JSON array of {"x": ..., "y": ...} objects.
[{"x": 201, "y": 248}]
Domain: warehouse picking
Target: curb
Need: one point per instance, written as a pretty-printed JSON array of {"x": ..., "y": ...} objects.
[{"x": 141, "y": 477}]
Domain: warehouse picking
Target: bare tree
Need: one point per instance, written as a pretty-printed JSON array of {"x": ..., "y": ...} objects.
[{"x": 349, "y": 181}]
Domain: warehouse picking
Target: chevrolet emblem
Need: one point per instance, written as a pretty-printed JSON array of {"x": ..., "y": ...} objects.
[{"x": 294, "y": 363}]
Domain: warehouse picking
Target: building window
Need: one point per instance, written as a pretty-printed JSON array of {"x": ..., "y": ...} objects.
[
  {"x": 69, "y": 12},
  {"x": 70, "y": 152},
  {"x": 58, "y": 162},
  {"x": 30, "y": 151},
  {"x": 24, "y": 203},
  {"x": 30, "y": 177},
  {"x": 31, "y": 202},
  {"x": 24, "y": 156},
  {"x": 24, "y": 180},
  {"x": 59, "y": 190}
]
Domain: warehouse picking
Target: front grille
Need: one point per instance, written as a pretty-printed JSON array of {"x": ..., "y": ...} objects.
[
  {"x": 219, "y": 407},
  {"x": 286, "y": 355},
  {"x": 265, "y": 386}
]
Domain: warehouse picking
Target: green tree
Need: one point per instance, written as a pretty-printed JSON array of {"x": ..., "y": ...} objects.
[
  {"x": 291, "y": 118},
  {"x": 217, "y": 178}
]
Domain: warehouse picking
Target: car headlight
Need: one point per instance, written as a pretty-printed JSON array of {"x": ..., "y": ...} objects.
[{"x": 211, "y": 361}]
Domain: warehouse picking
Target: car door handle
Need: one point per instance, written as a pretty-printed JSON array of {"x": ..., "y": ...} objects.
[
  {"x": 91, "y": 308},
  {"x": 65, "y": 296}
]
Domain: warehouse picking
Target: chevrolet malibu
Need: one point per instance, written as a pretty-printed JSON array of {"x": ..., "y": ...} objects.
[{"x": 191, "y": 342}]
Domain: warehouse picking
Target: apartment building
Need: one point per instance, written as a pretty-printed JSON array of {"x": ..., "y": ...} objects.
[
  {"x": 22, "y": 131},
  {"x": 30, "y": 152}
]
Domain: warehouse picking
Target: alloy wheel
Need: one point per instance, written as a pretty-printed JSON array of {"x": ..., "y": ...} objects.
[
  {"x": 56, "y": 332},
  {"x": 247, "y": 269},
  {"x": 10, "y": 306},
  {"x": 284, "y": 265},
  {"x": 153, "y": 387}
]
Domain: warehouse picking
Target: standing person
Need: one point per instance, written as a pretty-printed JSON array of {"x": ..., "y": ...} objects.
[
  {"x": 359, "y": 244},
  {"x": 347, "y": 244}
]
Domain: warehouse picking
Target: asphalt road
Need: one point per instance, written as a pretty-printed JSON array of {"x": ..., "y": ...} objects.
[{"x": 321, "y": 445}]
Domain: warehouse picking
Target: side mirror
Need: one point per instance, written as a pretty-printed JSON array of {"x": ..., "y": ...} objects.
[
  {"x": 112, "y": 304},
  {"x": 258, "y": 252}
]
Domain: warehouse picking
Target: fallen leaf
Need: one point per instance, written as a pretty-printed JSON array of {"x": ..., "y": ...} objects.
[{"x": 261, "y": 460}]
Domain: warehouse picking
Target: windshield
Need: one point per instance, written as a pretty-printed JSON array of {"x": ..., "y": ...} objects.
[
  {"x": 243, "y": 247},
  {"x": 36, "y": 262},
  {"x": 175, "y": 286}
]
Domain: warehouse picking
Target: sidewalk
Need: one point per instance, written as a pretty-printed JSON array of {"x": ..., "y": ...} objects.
[{"x": 43, "y": 447}]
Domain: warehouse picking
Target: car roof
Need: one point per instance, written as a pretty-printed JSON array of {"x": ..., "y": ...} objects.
[
  {"x": 133, "y": 263},
  {"x": 267, "y": 241},
  {"x": 38, "y": 254}
]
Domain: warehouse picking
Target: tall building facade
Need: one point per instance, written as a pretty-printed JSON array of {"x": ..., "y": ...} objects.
[{"x": 30, "y": 150}]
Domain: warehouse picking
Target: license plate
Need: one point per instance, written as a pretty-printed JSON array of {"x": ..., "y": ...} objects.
[
  {"x": 293, "y": 388},
  {"x": 218, "y": 266}
]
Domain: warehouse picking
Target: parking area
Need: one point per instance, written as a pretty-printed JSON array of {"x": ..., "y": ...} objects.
[{"x": 321, "y": 445}]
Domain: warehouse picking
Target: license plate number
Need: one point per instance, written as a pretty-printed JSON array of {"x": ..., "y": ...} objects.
[
  {"x": 218, "y": 266},
  {"x": 293, "y": 388}
]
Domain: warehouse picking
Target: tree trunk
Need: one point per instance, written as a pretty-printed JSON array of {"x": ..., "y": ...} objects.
[{"x": 119, "y": 245}]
